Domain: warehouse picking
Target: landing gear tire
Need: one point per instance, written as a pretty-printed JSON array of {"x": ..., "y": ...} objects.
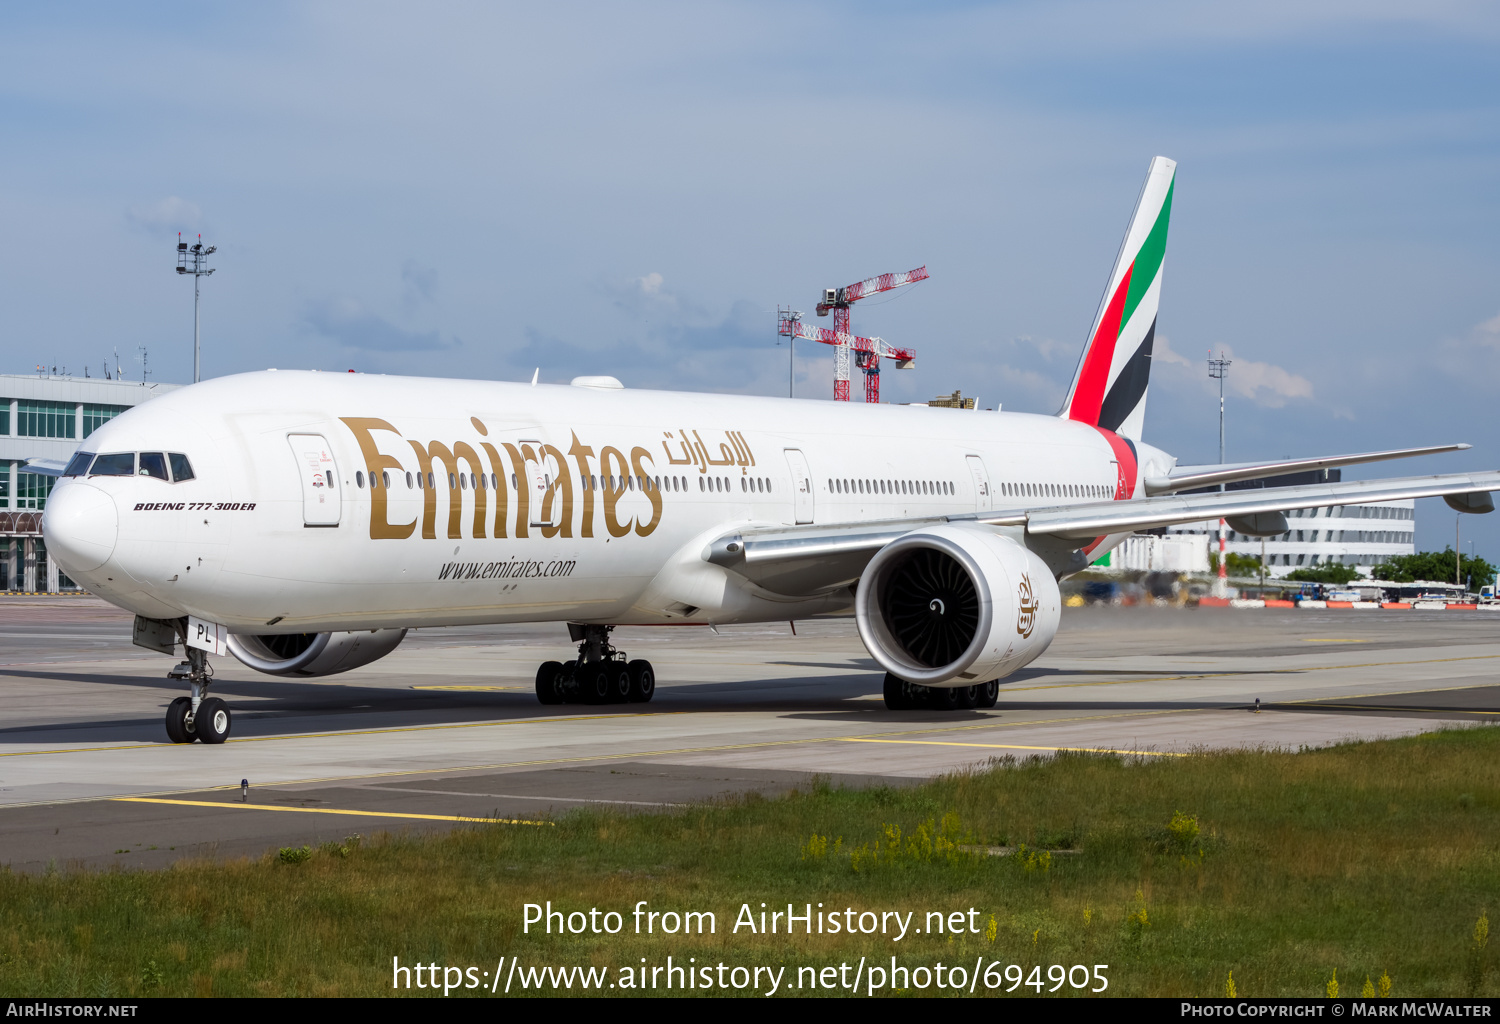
[
  {"x": 212, "y": 722},
  {"x": 642, "y": 681},
  {"x": 593, "y": 687},
  {"x": 988, "y": 693},
  {"x": 901, "y": 695},
  {"x": 619, "y": 682},
  {"x": 177, "y": 727},
  {"x": 546, "y": 683},
  {"x": 608, "y": 683},
  {"x": 968, "y": 696},
  {"x": 948, "y": 698}
]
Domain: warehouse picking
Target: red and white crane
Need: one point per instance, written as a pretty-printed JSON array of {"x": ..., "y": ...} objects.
[
  {"x": 870, "y": 351},
  {"x": 839, "y": 300}
]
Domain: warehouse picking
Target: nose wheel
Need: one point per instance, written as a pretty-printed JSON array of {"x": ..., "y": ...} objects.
[
  {"x": 599, "y": 675},
  {"x": 199, "y": 717}
]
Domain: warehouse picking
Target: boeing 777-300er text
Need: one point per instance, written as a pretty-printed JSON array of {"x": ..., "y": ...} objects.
[{"x": 303, "y": 521}]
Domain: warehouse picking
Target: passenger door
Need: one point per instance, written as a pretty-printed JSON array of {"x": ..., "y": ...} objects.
[
  {"x": 802, "y": 485},
  {"x": 319, "y": 474},
  {"x": 983, "y": 499},
  {"x": 543, "y": 507}
]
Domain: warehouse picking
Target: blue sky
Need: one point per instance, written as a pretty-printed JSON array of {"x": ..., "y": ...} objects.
[{"x": 479, "y": 190}]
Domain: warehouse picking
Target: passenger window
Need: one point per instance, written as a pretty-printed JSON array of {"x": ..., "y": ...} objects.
[
  {"x": 182, "y": 469},
  {"x": 119, "y": 464},
  {"x": 78, "y": 465},
  {"x": 359, "y": 479},
  {"x": 408, "y": 481},
  {"x": 328, "y": 475},
  {"x": 153, "y": 464},
  {"x": 385, "y": 479}
]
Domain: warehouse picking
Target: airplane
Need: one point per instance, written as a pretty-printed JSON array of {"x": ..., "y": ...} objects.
[{"x": 302, "y": 522}]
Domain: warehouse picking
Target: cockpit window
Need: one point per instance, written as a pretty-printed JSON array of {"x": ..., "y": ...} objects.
[
  {"x": 118, "y": 464},
  {"x": 153, "y": 464},
  {"x": 182, "y": 469},
  {"x": 78, "y": 465}
]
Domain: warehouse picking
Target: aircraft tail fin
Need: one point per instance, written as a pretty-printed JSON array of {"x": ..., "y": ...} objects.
[{"x": 1109, "y": 387}]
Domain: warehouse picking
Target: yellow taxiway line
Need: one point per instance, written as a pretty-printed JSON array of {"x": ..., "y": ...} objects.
[
  {"x": 1017, "y": 746},
  {"x": 321, "y": 810}
]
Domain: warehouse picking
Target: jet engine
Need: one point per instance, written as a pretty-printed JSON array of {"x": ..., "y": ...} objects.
[
  {"x": 956, "y": 605},
  {"x": 313, "y": 654}
]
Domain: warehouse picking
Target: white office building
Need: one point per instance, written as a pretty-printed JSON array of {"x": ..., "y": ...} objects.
[
  {"x": 44, "y": 417},
  {"x": 1359, "y": 535}
]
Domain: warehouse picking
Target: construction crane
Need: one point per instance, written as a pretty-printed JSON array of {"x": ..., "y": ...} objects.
[
  {"x": 870, "y": 350},
  {"x": 839, "y": 300}
]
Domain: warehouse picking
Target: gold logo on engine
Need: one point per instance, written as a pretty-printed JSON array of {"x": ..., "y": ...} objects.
[{"x": 1027, "y": 606}]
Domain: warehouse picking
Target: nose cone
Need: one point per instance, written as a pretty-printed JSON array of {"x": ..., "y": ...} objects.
[{"x": 80, "y": 525}]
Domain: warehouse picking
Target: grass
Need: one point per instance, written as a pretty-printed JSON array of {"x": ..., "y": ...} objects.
[{"x": 1366, "y": 861}]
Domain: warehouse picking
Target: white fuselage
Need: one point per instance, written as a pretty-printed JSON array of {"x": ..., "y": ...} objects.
[{"x": 556, "y": 502}]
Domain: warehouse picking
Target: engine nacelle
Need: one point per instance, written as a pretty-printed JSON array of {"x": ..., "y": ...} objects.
[
  {"x": 955, "y": 606},
  {"x": 313, "y": 654}
]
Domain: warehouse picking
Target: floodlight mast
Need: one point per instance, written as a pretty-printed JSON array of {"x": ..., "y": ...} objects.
[
  {"x": 194, "y": 260},
  {"x": 1218, "y": 369}
]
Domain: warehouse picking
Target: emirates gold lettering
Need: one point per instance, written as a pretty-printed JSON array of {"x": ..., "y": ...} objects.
[{"x": 608, "y": 484}]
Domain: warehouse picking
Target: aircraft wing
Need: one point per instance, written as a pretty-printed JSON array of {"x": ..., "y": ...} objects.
[
  {"x": 1186, "y": 478},
  {"x": 807, "y": 560},
  {"x": 1081, "y": 522}
]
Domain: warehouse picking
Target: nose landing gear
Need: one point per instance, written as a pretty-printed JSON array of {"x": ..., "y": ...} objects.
[
  {"x": 600, "y": 674},
  {"x": 199, "y": 717}
]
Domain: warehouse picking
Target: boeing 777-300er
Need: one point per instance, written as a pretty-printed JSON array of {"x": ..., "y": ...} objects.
[{"x": 303, "y": 522}]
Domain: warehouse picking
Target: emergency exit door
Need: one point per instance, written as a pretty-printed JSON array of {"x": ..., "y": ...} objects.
[{"x": 321, "y": 502}]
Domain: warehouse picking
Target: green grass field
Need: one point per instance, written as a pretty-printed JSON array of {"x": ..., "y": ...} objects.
[{"x": 1368, "y": 860}]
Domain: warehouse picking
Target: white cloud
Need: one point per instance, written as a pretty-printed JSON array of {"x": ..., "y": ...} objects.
[
  {"x": 1488, "y": 333},
  {"x": 651, "y": 284},
  {"x": 1264, "y": 383},
  {"x": 1161, "y": 352}
]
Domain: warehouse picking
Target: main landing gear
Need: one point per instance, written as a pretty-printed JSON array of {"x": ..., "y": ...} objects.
[
  {"x": 599, "y": 675},
  {"x": 903, "y": 696},
  {"x": 198, "y": 717}
]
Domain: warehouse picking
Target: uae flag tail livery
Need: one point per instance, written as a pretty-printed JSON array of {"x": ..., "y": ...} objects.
[{"x": 1109, "y": 389}]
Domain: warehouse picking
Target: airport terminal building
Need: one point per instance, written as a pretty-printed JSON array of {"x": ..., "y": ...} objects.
[
  {"x": 45, "y": 417},
  {"x": 1359, "y": 535}
]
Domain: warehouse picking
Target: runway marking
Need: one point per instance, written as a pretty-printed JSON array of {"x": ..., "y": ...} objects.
[
  {"x": 1017, "y": 746},
  {"x": 1330, "y": 640},
  {"x": 320, "y": 810},
  {"x": 652, "y": 714},
  {"x": 520, "y": 796},
  {"x": 353, "y": 732},
  {"x": 989, "y": 724}
]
